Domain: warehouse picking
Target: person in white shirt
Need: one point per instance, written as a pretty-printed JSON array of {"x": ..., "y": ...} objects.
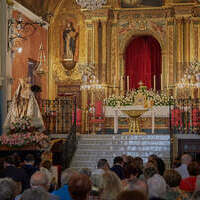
[
  {"x": 186, "y": 159},
  {"x": 102, "y": 166}
]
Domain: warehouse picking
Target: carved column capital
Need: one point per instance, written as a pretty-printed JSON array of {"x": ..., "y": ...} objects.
[
  {"x": 179, "y": 20},
  {"x": 188, "y": 20}
]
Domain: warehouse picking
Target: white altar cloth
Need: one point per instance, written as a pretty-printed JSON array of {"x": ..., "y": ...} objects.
[{"x": 155, "y": 111}]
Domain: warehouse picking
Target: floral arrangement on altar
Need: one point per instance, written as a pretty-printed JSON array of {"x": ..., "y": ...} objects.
[
  {"x": 21, "y": 125},
  {"x": 193, "y": 69},
  {"x": 157, "y": 99},
  {"x": 22, "y": 133},
  {"x": 24, "y": 139}
]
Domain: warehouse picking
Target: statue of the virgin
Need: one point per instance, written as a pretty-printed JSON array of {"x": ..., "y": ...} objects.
[{"x": 24, "y": 105}]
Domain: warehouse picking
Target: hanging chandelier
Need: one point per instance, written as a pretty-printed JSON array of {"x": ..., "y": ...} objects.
[{"x": 91, "y": 4}]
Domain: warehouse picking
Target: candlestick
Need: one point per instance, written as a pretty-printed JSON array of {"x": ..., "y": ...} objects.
[
  {"x": 121, "y": 82},
  {"x": 161, "y": 81},
  {"x": 175, "y": 92},
  {"x": 154, "y": 82},
  {"x": 192, "y": 92},
  {"x": 167, "y": 80},
  {"x": 127, "y": 83}
]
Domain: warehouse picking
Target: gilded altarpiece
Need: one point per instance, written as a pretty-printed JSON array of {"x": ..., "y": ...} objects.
[
  {"x": 104, "y": 34},
  {"x": 66, "y": 14}
]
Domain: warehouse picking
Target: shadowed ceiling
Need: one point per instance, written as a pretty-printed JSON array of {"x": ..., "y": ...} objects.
[{"x": 40, "y": 7}]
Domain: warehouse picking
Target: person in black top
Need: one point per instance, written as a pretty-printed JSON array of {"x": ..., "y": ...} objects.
[
  {"x": 28, "y": 166},
  {"x": 118, "y": 167},
  {"x": 17, "y": 174}
]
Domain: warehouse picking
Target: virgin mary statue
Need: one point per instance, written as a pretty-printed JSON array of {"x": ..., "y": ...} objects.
[{"x": 24, "y": 104}]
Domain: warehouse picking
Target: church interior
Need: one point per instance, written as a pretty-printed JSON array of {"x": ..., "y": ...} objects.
[{"x": 100, "y": 78}]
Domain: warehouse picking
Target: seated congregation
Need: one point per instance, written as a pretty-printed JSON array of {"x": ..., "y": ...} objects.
[{"x": 127, "y": 179}]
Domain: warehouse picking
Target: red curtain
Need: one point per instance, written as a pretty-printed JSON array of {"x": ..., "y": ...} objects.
[{"x": 143, "y": 61}]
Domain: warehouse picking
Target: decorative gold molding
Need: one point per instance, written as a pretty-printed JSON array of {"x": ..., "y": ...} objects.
[{"x": 60, "y": 74}]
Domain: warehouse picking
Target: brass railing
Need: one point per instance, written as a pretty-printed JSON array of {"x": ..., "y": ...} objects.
[
  {"x": 185, "y": 116},
  {"x": 184, "y": 119},
  {"x": 57, "y": 114}
]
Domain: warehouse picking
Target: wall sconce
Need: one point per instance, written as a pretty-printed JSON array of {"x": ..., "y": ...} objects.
[{"x": 19, "y": 30}]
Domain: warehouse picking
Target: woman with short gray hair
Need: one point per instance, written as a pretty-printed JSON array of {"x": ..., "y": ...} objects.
[
  {"x": 8, "y": 189},
  {"x": 35, "y": 194}
]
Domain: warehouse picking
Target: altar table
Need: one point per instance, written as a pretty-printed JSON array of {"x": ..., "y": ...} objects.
[{"x": 155, "y": 111}]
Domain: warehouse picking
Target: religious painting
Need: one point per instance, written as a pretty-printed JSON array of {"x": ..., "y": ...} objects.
[
  {"x": 141, "y": 3},
  {"x": 69, "y": 41},
  {"x": 69, "y": 45}
]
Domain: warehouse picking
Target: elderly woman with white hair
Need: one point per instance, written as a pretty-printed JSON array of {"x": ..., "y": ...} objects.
[
  {"x": 111, "y": 186},
  {"x": 156, "y": 183}
]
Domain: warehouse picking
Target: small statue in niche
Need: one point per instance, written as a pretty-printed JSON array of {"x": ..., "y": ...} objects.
[{"x": 69, "y": 39}]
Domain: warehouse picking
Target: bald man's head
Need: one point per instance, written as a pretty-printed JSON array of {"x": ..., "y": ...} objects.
[
  {"x": 39, "y": 179},
  {"x": 186, "y": 159}
]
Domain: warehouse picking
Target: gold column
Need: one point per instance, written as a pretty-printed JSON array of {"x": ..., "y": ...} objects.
[
  {"x": 198, "y": 41},
  {"x": 195, "y": 28},
  {"x": 104, "y": 51},
  {"x": 96, "y": 48},
  {"x": 186, "y": 41},
  {"x": 88, "y": 59},
  {"x": 169, "y": 72},
  {"x": 84, "y": 99},
  {"x": 51, "y": 52},
  {"x": 179, "y": 47},
  {"x": 116, "y": 67}
]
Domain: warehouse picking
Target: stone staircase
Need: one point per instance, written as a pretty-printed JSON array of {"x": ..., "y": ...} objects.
[{"x": 91, "y": 148}]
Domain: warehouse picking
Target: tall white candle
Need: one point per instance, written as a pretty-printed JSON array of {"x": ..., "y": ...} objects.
[
  {"x": 121, "y": 83},
  {"x": 167, "y": 80},
  {"x": 127, "y": 83},
  {"x": 154, "y": 82},
  {"x": 161, "y": 81},
  {"x": 175, "y": 92}
]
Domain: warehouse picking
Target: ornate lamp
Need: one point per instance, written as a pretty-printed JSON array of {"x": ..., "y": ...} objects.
[
  {"x": 91, "y": 4},
  {"x": 20, "y": 29},
  {"x": 42, "y": 61}
]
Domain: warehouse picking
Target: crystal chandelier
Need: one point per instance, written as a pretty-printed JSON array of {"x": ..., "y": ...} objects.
[
  {"x": 191, "y": 77},
  {"x": 91, "y": 4}
]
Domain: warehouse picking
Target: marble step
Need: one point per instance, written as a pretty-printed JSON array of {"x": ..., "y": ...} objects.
[
  {"x": 123, "y": 137},
  {"x": 112, "y": 149},
  {"x": 91, "y": 148},
  {"x": 124, "y": 143}
]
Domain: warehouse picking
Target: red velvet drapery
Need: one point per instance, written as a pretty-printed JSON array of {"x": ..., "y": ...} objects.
[{"x": 143, "y": 61}]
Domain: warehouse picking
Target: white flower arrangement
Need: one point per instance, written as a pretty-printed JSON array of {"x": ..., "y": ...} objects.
[
  {"x": 193, "y": 69},
  {"x": 158, "y": 99}
]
